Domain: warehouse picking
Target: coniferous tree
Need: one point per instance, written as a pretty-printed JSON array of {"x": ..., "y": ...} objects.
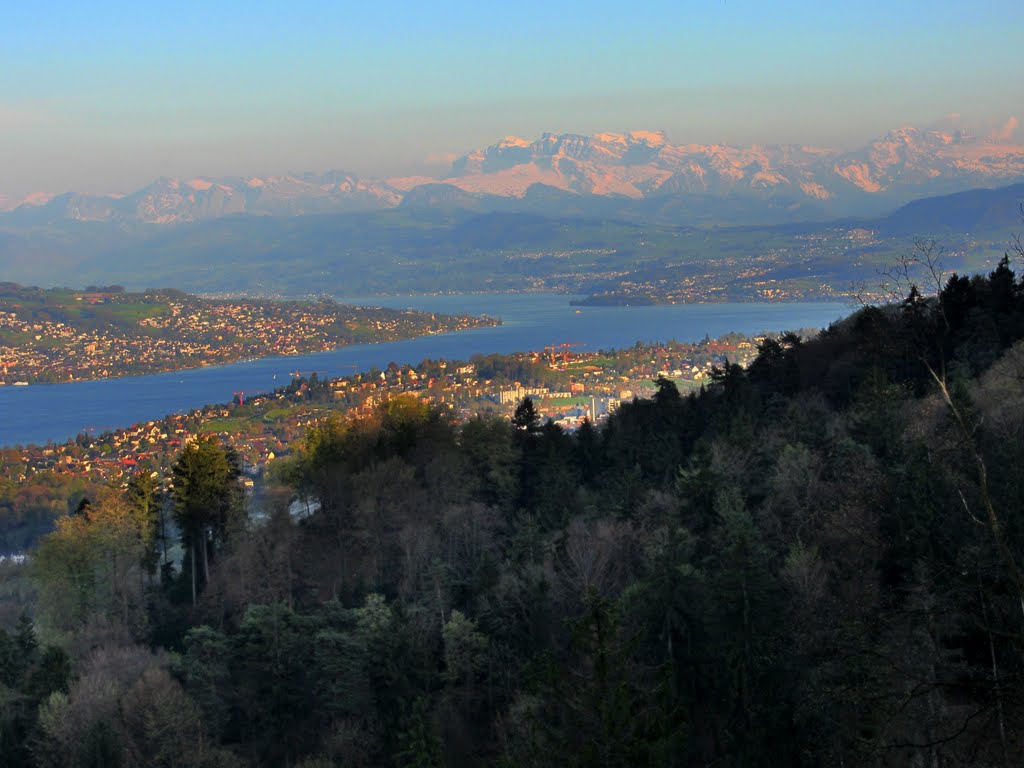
[{"x": 207, "y": 503}]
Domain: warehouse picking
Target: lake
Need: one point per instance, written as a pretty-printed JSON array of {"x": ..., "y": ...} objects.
[{"x": 56, "y": 412}]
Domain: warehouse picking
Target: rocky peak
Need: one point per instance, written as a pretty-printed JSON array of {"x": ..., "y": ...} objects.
[{"x": 905, "y": 163}]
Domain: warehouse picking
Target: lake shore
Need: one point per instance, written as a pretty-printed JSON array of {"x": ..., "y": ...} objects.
[{"x": 38, "y": 414}]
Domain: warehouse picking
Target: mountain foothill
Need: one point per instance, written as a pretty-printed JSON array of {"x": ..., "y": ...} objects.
[{"x": 613, "y": 216}]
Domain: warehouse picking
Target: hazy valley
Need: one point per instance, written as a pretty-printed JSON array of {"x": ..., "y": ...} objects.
[{"x": 447, "y": 248}]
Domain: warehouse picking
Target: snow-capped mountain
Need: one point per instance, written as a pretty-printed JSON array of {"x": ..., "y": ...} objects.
[
  {"x": 172, "y": 201},
  {"x": 904, "y": 165}
]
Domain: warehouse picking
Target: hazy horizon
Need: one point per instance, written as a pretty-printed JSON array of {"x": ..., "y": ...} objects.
[{"x": 104, "y": 99}]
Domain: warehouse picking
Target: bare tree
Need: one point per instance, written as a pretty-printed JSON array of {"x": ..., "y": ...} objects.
[
  {"x": 1017, "y": 244},
  {"x": 919, "y": 268}
]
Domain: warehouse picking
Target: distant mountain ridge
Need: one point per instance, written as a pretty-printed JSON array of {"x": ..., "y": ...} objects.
[
  {"x": 639, "y": 164},
  {"x": 171, "y": 201},
  {"x": 437, "y": 241},
  {"x": 975, "y": 210},
  {"x": 641, "y": 172}
]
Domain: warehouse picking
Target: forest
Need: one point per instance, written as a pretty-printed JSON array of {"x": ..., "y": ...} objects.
[{"x": 812, "y": 561}]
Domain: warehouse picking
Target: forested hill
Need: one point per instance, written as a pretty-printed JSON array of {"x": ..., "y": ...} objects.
[{"x": 815, "y": 561}]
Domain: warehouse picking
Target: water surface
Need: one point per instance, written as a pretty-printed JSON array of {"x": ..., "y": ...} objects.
[{"x": 41, "y": 413}]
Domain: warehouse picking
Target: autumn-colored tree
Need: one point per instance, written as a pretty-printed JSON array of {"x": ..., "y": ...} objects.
[{"x": 91, "y": 566}]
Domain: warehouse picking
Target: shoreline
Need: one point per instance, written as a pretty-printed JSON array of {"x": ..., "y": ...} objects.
[
  {"x": 30, "y": 381},
  {"x": 529, "y": 322}
]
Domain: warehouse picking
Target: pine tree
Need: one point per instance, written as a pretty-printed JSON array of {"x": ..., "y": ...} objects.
[{"x": 207, "y": 499}]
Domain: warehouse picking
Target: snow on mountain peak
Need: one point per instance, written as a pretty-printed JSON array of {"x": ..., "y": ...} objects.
[
  {"x": 651, "y": 138},
  {"x": 512, "y": 141},
  {"x": 640, "y": 163},
  {"x": 905, "y": 163}
]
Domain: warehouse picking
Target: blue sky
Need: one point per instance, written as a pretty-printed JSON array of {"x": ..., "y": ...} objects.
[{"x": 105, "y": 96}]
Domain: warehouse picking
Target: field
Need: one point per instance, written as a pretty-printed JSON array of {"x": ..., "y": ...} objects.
[{"x": 82, "y": 309}]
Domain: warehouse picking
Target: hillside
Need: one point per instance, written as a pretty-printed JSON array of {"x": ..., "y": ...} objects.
[
  {"x": 975, "y": 210},
  {"x": 63, "y": 335},
  {"x": 436, "y": 240},
  {"x": 814, "y": 561}
]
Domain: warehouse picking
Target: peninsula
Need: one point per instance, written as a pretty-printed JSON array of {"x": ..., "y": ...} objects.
[{"x": 59, "y": 335}]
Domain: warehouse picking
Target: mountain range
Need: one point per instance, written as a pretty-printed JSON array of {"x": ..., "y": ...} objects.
[{"x": 635, "y": 175}]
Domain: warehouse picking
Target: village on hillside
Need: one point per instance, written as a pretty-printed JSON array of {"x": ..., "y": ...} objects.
[
  {"x": 62, "y": 335},
  {"x": 567, "y": 386}
]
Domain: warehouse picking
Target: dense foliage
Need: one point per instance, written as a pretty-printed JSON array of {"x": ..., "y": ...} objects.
[
  {"x": 30, "y": 504},
  {"x": 815, "y": 561}
]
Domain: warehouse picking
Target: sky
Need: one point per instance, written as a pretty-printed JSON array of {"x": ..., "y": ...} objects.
[{"x": 104, "y": 97}]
